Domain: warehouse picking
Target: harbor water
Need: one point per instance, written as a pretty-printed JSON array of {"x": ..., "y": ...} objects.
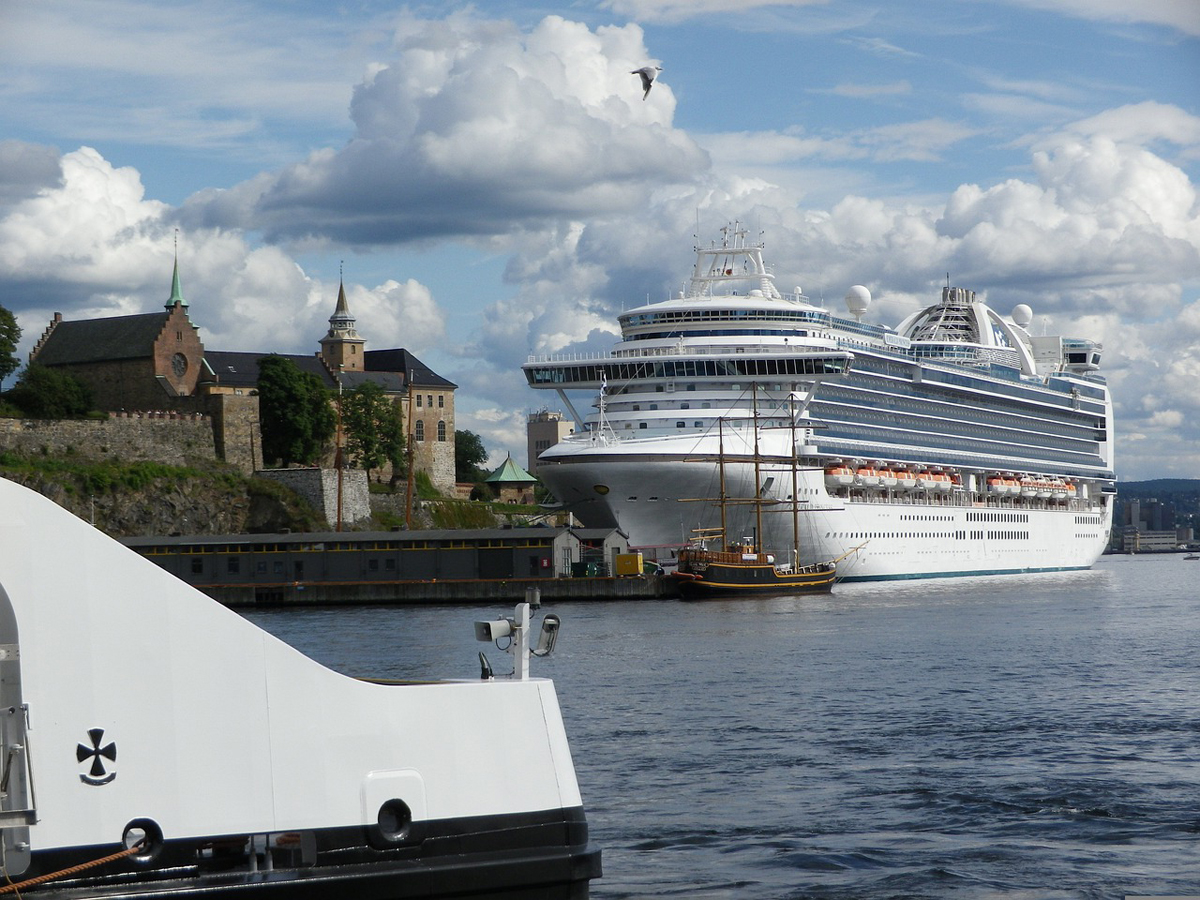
[{"x": 1010, "y": 737}]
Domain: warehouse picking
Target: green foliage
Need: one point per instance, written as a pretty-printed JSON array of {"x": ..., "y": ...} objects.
[
  {"x": 374, "y": 428},
  {"x": 295, "y": 415},
  {"x": 10, "y": 336},
  {"x": 423, "y": 486},
  {"x": 44, "y": 393},
  {"x": 469, "y": 456},
  {"x": 110, "y": 475},
  {"x": 461, "y": 514}
]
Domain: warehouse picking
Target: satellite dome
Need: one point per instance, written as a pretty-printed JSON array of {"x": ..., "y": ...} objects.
[
  {"x": 858, "y": 300},
  {"x": 1022, "y": 315}
]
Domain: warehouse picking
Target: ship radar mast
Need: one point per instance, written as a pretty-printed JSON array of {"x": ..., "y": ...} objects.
[{"x": 734, "y": 266}]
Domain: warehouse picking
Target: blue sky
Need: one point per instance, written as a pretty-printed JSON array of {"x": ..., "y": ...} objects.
[{"x": 496, "y": 185}]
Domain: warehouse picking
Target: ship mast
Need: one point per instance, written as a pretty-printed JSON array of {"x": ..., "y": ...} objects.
[
  {"x": 757, "y": 472},
  {"x": 721, "y": 475},
  {"x": 795, "y": 499}
]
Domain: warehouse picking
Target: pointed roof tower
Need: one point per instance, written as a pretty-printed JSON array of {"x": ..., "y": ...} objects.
[
  {"x": 342, "y": 348},
  {"x": 176, "y": 291},
  {"x": 341, "y": 323}
]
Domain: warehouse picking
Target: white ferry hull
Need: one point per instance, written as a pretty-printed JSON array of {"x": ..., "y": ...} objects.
[{"x": 132, "y": 706}]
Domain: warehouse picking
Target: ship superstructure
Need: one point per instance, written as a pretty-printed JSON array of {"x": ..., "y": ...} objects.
[{"x": 958, "y": 442}]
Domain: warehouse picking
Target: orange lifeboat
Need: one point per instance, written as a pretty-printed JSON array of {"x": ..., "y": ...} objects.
[
  {"x": 938, "y": 481},
  {"x": 996, "y": 485},
  {"x": 887, "y": 478},
  {"x": 867, "y": 476},
  {"x": 838, "y": 475},
  {"x": 906, "y": 479}
]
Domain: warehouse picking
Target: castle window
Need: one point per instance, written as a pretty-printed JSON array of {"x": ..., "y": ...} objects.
[
  {"x": 419, "y": 432},
  {"x": 441, "y": 431},
  {"x": 429, "y": 400},
  {"x": 418, "y": 401},
  {"x": 441, "y": 401}
]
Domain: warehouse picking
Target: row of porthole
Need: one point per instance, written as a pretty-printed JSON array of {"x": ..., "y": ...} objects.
[{"x": 394, "y": 827}]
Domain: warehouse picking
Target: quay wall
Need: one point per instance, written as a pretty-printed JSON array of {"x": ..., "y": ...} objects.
[{"x": 648, "y": 587}]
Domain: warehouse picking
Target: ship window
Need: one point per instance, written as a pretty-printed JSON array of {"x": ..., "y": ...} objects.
[
  {"x": 685, "y": 406},
  {"x": 197, "y": 565},
  {"x": 681, "y": 424},
  {"x": 641, "y": 424}
]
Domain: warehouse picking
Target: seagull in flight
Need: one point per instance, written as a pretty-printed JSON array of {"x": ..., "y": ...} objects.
[{"x": 648, "y": 73}]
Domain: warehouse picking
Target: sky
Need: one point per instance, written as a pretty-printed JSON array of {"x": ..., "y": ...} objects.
[{"x": 490, "y": 183}]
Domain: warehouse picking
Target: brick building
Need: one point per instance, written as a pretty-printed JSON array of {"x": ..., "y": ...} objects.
[{"x": 144, "y": 362}]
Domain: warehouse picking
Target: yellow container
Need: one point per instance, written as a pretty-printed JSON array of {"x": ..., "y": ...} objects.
[{"x": 629, "y": 564}]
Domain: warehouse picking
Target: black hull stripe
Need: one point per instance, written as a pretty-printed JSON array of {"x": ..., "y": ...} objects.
[{"x": 543, "y": 854}]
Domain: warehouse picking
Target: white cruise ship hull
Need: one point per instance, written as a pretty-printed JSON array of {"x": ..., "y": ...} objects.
[{"x": 900, "y": 534}]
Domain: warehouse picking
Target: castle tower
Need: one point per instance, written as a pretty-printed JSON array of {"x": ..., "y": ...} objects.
[{"x": 342, "y": 348}]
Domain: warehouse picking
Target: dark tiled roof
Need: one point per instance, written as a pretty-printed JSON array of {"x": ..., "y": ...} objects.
[
  {"x": 403, "y": 361},
  {"x": 391, "y": 382},
  {"x": 370, "y": 537},
  {"x": 238, "y": 369},
  {"x": 95, "y": 340}
]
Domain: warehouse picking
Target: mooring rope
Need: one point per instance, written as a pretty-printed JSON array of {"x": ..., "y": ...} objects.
[{"x": 42, "y": 879}]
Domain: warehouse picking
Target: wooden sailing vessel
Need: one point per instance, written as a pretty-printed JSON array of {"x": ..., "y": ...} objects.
[{"x": 742, "y": 567}]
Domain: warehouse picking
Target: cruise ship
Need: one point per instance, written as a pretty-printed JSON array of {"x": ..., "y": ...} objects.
[{"x": 957, "y": 443}]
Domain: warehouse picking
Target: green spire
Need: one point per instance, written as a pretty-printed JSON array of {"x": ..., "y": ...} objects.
[{"x": 176, "y": 290}]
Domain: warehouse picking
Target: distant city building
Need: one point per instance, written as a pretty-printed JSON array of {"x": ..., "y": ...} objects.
[
  {"x": 543, "y": 430},
  {"x": 156, "y": 361}
]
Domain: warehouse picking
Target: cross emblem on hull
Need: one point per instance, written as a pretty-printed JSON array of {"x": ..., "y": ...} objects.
[{"x": 97, "y": 754}]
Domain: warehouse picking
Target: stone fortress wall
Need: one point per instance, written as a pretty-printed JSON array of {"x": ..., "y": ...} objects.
[{"x": 167, "y": 437}]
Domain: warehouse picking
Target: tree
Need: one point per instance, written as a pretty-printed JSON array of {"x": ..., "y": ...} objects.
[
  {"x": 294, "y": 412},
  {"x": 10, "y": 336},
  {"x": 469, "y": 456},
  {"x": 44, "y": 393},
  {"x": 374, "y": 428}
]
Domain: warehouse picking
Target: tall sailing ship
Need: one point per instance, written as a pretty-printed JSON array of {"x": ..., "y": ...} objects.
[{"x": 957, "y": 443}]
